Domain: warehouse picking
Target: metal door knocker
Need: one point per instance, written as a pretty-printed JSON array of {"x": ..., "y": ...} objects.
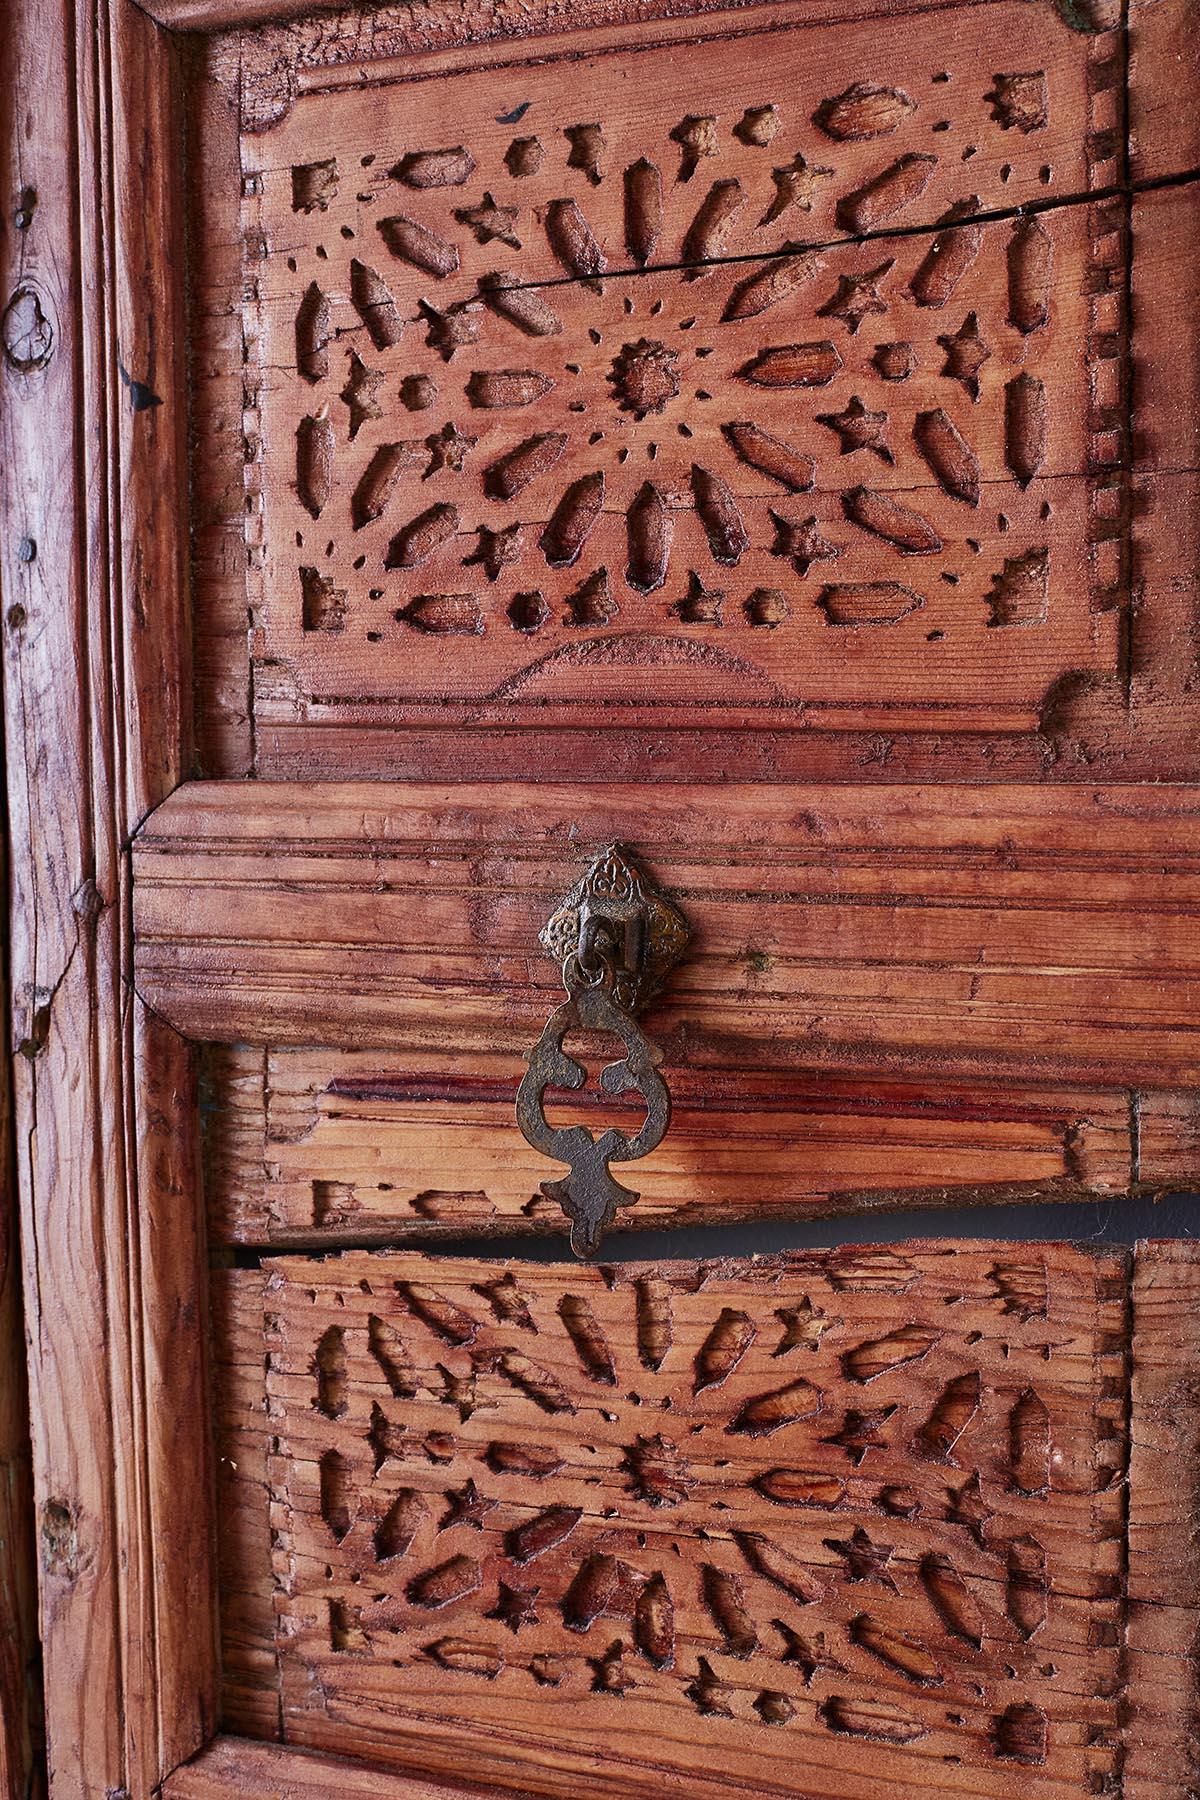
[{"x": 616, "y": 938}]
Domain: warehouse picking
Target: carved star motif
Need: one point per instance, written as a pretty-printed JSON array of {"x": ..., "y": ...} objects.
[
  {"x": 808, "y": 1653},
  {"x": 447, "y": 449},
  {"x": 795, "y": 185},
  {"x": 859, "y": 429},
  {"x": 467, "y": 1506},
  {"x": 453, "y": 329},
  {"x": 609, "y": 1674},
  {"x": 800, "y": 540},
  {"x": 490, "y": 223},
  {"x": 864, "y": 1559},
  {"x": 700, "y": 605},
  {"x": 460, "y": 1391},
  {"x": 860, "y": 1432},
  {"x": 803, "y": 1326},
  {"x": 514, "y": 1607},
  {"x": 966, "y": 353},
  {"x": 497, "y": 548},
  {"x": 857, "y": 296}
]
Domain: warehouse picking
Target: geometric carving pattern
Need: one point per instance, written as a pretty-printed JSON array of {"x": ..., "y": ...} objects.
[
  {"x": 675, "y": 407},
  {"x": 862, "y": 1497}
]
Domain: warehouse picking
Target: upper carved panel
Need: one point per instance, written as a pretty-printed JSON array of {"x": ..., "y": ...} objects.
[
  {"x": 746, "y": 408},
  {"x": 755, "y": 1518}
]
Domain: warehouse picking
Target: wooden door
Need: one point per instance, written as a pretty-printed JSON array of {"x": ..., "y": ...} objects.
[{"x": 441, "y": 443}]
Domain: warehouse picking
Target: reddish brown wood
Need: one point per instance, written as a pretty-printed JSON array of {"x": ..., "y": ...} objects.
[
  {"x": 232, "y": 1766},
  {"x": 1164, "y": 68},
  {"x": 919, "y": 1454},
  {"x": 317, "y": 1147},
  {"x": 993, "y": 931}
]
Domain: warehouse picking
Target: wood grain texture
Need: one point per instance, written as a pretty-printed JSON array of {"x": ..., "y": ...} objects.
[
  {"x": 313, "y": 1148},
  {"x": 965, "y": 931},
  {"x": 919, "y": 1454},
  {"x": 96, "y": 711},
  {"x": 1164, "y": 68},
  {"x": 231, "y": 1766}
]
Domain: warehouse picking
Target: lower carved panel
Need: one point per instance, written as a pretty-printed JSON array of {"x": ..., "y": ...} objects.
[{"x": 788, "y": 1526}]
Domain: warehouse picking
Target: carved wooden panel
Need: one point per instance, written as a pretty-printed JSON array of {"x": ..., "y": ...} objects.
[
  {"x": 321, "y": 1147},
  {"x": 797, "y": 405},
  {"x": 786, "y": 1525}
]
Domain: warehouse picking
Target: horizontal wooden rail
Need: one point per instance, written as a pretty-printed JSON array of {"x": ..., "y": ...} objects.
[{"x": 1007, "y": 932}]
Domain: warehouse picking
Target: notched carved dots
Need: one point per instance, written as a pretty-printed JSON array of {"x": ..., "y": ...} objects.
[
  {"x": 573, "y": 521},
  {"x": 1019, "y": 1734},
  {"x": 1027, "y": 1587},
  {"x": 1025, "y": 426},
  {"x": 791, "y": 1487},
  {"x": 768, "y": 286},
  {"x": 587, "y": 150},
  {"x": 417, "y": 541},
  {"x": 1030, "y": 266},
  {"x": 858, "y": 603},
  {"x": 524, "y": 1543},
  {"x": 948, "y": 454},
  {"x": 887, "y": 193},
  {"x": 877, "y": 1719},
  {"x": 778, "y": 1566},
  {"x": 1020, "y": 591},
  {"x": 329, "y": 1367},
  {"x": 951, "y": 1599},
  {"x": 585, "y": 1332},
  {"x": 713, "y": 221},
  {"x": 466, "y": 1656},
  {"x": 889, "y": 518},
  {"x": 536, "y": 1383},
  {"x": 718, "y": 512},
  {"x": 372, "y": 300},
  {"x": 435, "y": 168},
  {"x": 864, "y": 111},
  {"x": 399, "y": 1525},
  {"x": 522, "y": 307},
  {"x": 313, "y": 330},
  {"x": 655, "y": 1327},
  {"x": 591, "y": 603},
  {"x": 1029, "y": 1444},
  {"x": 770, "y": 455},
  {"x": 445, "y": 1584},
  {"x": 952, "y": 1412},
  {"x": 443, "y": 1316},
  {"x": 900, "y": 1650},
  {"x": 649, "y": 531},
  {"x": 339, "y": 1500},
  {"x": 314, "y": 185},
  {"x": 723, "y": 1596},
  {"x": 643, "y": 210},
  {"x": 314, "y": 462},
  {"x": 572, "y": 240},
  {"x": 417, "y": 244},
  {"x": 496, "y": 389},
  {"x": 697, "y": 137},
  {"x": 1020, "y": 100},
  {"x": 322, "y": 604},
  {"x": 723, "y": 1349},
  {"x": 513, "y": 472},
  {"x": 793, "y": 365}
]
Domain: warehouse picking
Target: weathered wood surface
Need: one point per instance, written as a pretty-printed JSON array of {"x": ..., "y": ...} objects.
[
  {"x": 916, "y": 1575},
  {"x": 1023, "y": 932},
  {"x": 311, "y": 1147},
  {"x": 232, "y": 1767},
  {"x": 96, "y": 693}
]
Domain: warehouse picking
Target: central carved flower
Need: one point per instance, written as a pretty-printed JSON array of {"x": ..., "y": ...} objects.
[{"x": 645, "y": 375}]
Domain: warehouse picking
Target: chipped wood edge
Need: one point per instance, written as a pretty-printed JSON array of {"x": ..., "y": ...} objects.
[{"x": 95, "y": 689}]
